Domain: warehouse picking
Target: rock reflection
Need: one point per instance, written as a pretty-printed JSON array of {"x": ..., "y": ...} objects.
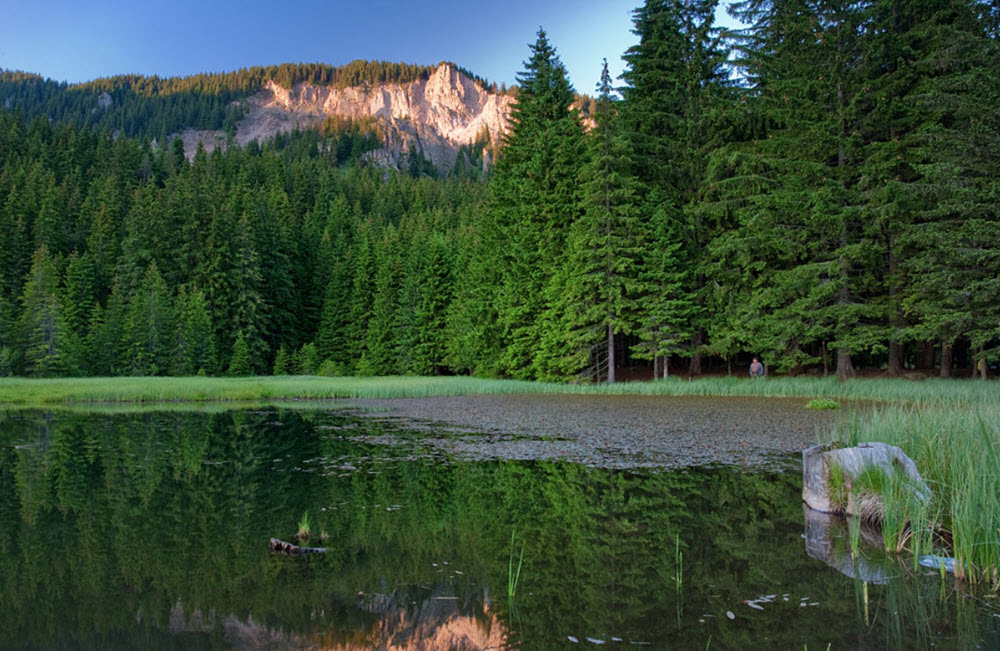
[
  {"x": 828, "y": 540},
  {"x": 435, "y": 623}
]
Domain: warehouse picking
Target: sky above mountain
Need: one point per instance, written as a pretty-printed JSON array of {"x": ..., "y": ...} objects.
[{"x": 78, "y": 41}]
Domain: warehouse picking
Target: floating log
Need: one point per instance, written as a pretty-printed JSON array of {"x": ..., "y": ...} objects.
[{"x": 282, "y": 547}]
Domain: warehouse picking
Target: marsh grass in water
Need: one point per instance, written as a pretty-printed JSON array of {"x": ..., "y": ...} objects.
[
  {"x": 513, "y": 574},
  {"x": 957, "y": 451},
  {"x": 305, "y": 527}
]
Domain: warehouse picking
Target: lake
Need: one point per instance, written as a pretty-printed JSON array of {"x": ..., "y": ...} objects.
[{"x": 452, "y": 523}]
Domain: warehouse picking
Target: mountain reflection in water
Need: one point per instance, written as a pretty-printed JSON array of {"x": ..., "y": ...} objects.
[{"x": 435, "y": 623}]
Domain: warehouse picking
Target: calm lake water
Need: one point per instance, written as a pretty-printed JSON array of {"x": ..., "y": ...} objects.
[{"x": 150, "y": 530}]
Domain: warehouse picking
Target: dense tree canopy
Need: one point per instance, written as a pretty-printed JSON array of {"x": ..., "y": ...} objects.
[{"x": 819, "y": 188}]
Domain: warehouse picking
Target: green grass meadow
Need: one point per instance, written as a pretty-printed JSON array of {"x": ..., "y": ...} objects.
[{"x": 38, "y": 392}]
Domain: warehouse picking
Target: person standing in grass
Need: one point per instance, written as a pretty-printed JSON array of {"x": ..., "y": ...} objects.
[{"x": 756, "y": 368}]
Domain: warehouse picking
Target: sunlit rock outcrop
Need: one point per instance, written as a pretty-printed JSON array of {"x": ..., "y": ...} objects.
[{"x": 435, "y": 116}]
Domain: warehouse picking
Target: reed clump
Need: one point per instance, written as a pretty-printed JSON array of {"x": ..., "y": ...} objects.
[{"x": 957, "y": 450}]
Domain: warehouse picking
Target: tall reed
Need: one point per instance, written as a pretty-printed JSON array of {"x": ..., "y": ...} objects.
[{"x": 957, "y": 451}]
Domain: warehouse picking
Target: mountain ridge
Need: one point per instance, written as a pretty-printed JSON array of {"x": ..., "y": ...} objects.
[
  {"x": 432, "y": 111},
  {"x": 433, "y": 117}
]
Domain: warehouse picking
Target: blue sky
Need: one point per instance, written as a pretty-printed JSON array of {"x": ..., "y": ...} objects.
[{"x": 76, "y": 41}]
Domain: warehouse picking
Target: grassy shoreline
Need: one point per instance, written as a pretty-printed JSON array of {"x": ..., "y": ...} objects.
[{"x": 43, "y": 392}]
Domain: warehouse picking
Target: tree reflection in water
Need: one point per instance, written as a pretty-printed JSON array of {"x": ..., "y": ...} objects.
[{"x": 151, "y": 530}]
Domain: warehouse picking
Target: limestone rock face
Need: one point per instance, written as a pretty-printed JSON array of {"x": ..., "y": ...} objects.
[
  {"x": 436, "y": 115},
  {"x": 818, "y": 462}
]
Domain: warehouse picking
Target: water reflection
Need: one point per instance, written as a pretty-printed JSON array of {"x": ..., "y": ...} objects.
[
  {"x": 828, "y": 540},
  {"x": 151, "y": 530}
]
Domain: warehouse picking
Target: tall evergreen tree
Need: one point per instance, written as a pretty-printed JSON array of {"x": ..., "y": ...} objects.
[
  {"x": 195, "y": 350},
  {"x": 533, "y": 203},
  {"x": 240, "y": 363},
  {"x": 79, "y": 298},
  {"x": 249, "y": 311},
  {"x": 149, "y": 327},
  {"x": 434, "y": 294},
  {"x": 933, "y": 170},
  {"x": 605, "y": 251},
  {"x": 804, "y": 225},
  {"x": 675, "y": 78},
  {"x": 380, "y": 338},
  {"x": 43, "y": 330},
  {"x": 7, "y": 335}
]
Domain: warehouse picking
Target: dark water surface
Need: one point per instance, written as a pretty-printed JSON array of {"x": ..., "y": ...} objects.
[{"x": 150, "y": 530}]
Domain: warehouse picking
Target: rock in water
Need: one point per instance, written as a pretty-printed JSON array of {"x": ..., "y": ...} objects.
[{"x": 819, "y": 460}]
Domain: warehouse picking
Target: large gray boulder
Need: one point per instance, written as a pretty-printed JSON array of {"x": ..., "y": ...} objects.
[{"x": 838, "y": 495}]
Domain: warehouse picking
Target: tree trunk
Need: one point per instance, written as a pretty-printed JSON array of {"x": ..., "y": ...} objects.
[
  {"x": 611, "y": 354},
  {"x": 826, "y": 360},
  {"x": 945, "y": 359},
  {"x": 927, "y": 355},
  {"x": 895, "y": 359},
  {"x": 666, "y": 366},
  {"x": 845, "y": 368},
  {"x": 695, "y": 369}
]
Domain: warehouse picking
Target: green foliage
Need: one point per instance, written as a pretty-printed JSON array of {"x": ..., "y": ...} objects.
[
  {"x": 43, "y": 329},
  {"x": 239, "y": 362},
  {"x": 534, "y": 201},
  {"x": 838, "y": 486},
  {"x": 822, "y": 403},
  {"x": 194, "y": 344},
  {"x": 282, "y": 362},
  {"x": 149, "y": 332},
  {"x": 307, "y": 360},
  {"x": 834, "y": 198}
]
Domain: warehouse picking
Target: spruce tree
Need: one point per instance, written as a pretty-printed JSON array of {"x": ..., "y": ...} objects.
[
  {"x": 282, "y": 362},
  {"x": 940, "y": 105},
  {"x": 149, "y": 327},
  {"x": 248, "y": 311},
  {"x": 43, "y": 330},
  {"x": 333, "y": 338},
  {"x": 306, "y": 360},
  {"x": 195, "y": 350},
  {"x": 364, "y": 267},
  {"x": 434, "y": 294},
  {"x": 79, "y": 298},
  {"x": 8, "y": 363},
  {"x": 801, "y": 225},
  {"x": 674, "y": 82},
  {"x": 533, "y": 202},
  {"x": 380, "y": 337},
  {"x": 240, "y": 363},
  {"x": 598, "y": 299}
]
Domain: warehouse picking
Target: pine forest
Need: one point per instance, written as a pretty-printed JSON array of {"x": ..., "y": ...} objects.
[{"x": 820, "y": 188}]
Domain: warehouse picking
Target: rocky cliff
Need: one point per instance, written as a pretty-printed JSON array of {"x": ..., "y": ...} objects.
[{"x": 436, "y": 115}]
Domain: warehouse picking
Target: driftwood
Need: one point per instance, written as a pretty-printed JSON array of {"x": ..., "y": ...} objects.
[{"x": 282, "y": 547}]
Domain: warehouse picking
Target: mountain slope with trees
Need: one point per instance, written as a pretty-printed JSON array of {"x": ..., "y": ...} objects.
[{"x": 819, "y": 188}]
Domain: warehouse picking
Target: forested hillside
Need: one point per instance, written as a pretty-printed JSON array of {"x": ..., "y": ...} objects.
[
  {"x": 821, "y": 188},
  {"x": 155, "y": 108}
]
